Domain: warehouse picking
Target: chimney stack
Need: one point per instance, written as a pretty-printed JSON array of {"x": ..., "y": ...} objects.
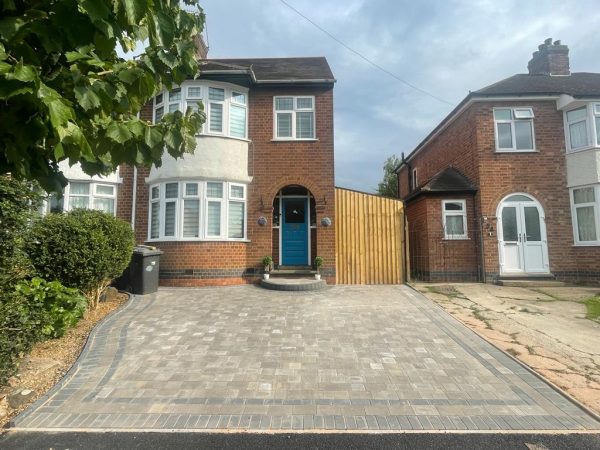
[
  {"x": 550, "y": 59},
  {"x": 201, "y": 47}
]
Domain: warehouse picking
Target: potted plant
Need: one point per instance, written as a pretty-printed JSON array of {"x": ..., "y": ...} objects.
[
  {"x": 266, "y": 262},
  {"x": 318, "y": 264}
]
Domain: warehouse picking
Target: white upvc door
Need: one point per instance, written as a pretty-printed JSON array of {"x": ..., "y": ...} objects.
[{"x": 522, "y": 238}]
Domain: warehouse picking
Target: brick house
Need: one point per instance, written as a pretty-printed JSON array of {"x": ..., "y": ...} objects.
[
  {"x": 260, "y": 182},
  {"x": 508, "y": 184}
]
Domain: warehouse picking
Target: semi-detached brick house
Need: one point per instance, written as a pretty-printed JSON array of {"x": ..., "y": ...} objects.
[
  {"x": 508, "y": 184},
  {"x": 261, "y": 181}
]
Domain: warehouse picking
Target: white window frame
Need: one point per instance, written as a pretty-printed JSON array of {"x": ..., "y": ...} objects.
[
  {"x": 415, "y": 179},
  {"x": 595, "y": 110},
  {"x": 595, "y": 205},
  {"x": 91, "y": 195},
  {"x": 514, "y": 111},
  {"x": 187, "y": 99},
  {"x": 293, "y": 112},
  {"x": 203, "y": 210},
  {"x": 184, "y": 197},
  {"x": 462, "y": 213},
  {"x": 588, "y": 128}
]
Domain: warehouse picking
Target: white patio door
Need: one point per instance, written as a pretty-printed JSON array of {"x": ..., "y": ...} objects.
[{"x": 522, "y": 238}]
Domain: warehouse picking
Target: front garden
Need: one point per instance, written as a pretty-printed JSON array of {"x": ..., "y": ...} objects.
[{"x": 53, "y": 269}]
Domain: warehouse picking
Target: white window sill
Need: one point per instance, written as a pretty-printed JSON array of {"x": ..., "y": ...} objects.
[
  {"x": 198, "y": 240},
  {"x": 224, "y": 136},
  {"x": 583, "y": 149},
  {"x": 294, "y": 140},
  {"x": 591, "y": 244},
  {"x": 447, "y": 239},
  {"x": 516, "y": 151}
]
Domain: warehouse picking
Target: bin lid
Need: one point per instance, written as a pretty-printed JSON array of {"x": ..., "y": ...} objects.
[{"x": 147, "y": 250}]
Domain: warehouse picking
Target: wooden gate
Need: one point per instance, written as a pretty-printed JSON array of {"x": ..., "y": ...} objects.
[{"x": 370, "y": 238}]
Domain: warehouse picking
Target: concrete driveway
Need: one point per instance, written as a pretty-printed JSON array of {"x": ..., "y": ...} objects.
[{"x": 347, "y": 358}]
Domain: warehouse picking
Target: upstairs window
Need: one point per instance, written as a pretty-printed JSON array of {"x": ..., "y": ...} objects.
[
  {"x": 585, "y": 204},
  {"x": 415, "y": 179},
  {"x": 226, "y": 107},
  {"x": 454, "y": 219},
  {"x": 514, "y": 129},
  {"x": 577, "y": 128},
  {"x": 597, "y": 122},
  {"x": 294, "y": 118}
]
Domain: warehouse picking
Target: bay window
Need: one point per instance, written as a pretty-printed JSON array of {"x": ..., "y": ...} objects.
[
  {"x": 514, "y": 129},
  {"x": 585, "y": 211},
  {"x": 583, "y": 127},
  {"x": 294, "y": 117},
  {"x": 226, "y": 106},
  {"x": 197, "y": 210}
]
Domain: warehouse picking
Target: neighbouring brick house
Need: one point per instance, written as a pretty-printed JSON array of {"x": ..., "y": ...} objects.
[
  {"x": 260, "y": 182},
  {"x": 508, "y": 184}
]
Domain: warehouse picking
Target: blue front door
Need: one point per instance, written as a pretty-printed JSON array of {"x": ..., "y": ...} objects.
[{"x": 294, "y": 237}]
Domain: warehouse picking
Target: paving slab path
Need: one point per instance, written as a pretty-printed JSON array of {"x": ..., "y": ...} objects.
[{"x": 345, "y": 358}]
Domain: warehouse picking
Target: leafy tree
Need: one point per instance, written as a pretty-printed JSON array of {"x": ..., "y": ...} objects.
[
  {"x": 389, "y": 186},
  {"x": 66, "y": 94}
]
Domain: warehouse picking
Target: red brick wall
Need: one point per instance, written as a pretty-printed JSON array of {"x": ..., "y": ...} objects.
[
  {"x": 468, "y": 144},
  {"x": 273, "y": 166}
]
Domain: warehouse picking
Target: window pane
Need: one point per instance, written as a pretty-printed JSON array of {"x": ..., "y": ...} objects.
[
  {"x": 586, "y": 223},
  {"x": 284, "y": 125},
  {"x": 105, "y": 204},
  {"x": 195, "y": 106},
  {"x": 171, "y": 190},
  {"x": 159, "y": 113},
  {"x": 295, "y": 211},
  {"x": 453, "y": 206},
  {"x": 304, "y": 125},
  {"x": 158, "y": 99},
  {"x": 237, "y": 191},
  {"x": 214, "y": 190},
  {"x": 504, "y": 135},
  {"x": 584, "y": 195},
  {"x": 523, "y": 113},
  {"x": 105, "y": 190},
  {"x": 518, "y": 198},
  {"x": 532, "y": 224},
  {"x": 175, "y": 95},
  {"x": 79, "y": 202},
  {"x": 503, "y": 114},
  {"x": 216, "y": 94},
  {"x": 509, "y": 224},
  {"x": 170, "y": 219},
  {"x": 576, "y": 115},
  {"x": 284, "y": 103},
  {"x": 191, "y": 218},
  {"x": 194, "y": 92},
  {"x": 79, "y": 188},
  {"x": 154, "y": 220},
  {"x": 304, "y": 103},
  {"x": 213, "y": 226},
  {"x": 598, "y": 130},
  {"x": 238, "y": 98},
  {"x": 173, "y": 107},
  {"x": 216, "y": 117},
  {"x": 524, "y": 135},
  {"x": 237, "y": 121},
  {"x": 578, "y": 134},
  {"x": 56, "y": 203},
  {"x": 236, "y": 220},
  {"x": 455, "y": 226},
  {"x": 597, "y": 108},
  {"x": 191, "y": 189},
  {"x": 155, "y": 192}
]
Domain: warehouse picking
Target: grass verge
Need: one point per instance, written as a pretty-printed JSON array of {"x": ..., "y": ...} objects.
[{"x": 593, "y": 308}]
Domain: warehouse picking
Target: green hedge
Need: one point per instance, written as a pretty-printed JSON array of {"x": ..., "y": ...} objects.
[
  {"x": 83, "y": 249},
  {"x": 33, "y": 311}
]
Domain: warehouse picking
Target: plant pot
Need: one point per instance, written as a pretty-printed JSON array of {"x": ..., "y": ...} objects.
[
  {"x": 265, "y": 276},
  {"x": 317, "y": 276}
]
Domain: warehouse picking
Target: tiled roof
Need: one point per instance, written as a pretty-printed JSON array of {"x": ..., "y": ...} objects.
[
  {"x": 448, "y": 180},
  {"x": 579, "y": 84},
  {"x": 310, "y": 69}
]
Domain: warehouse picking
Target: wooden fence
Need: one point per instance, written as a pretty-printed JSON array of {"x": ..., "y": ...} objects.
[{"x": 370, "y": 238}]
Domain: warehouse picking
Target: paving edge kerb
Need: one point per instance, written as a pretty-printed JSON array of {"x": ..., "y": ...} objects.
[
  {"x": 74, "y": 367},
  {"x": 558, "y": 389}
]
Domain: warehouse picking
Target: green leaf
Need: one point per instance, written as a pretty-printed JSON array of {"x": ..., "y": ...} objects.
[
  {"x": 60, "y": 111},
  {"x": 95, "y": 9},
  {"x": 5, "y": 67},
  {"x": 165, "y": 28},
  {"x": 152, "y": 137},
  {"x": 118, "y": 132},
  {"x": 129, "y": 75},
  {"x": 23, "y": 73},
  {"x": 3, "y": 54},
  {"x": 87, "y": 98},
  {"x": 135, "y": 10}
]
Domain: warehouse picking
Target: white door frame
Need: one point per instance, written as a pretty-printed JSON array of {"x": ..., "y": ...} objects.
[{"x": 522, "y": 241}]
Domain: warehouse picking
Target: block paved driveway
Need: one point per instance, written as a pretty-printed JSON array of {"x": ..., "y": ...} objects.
[{"x": 349, "y": 357}]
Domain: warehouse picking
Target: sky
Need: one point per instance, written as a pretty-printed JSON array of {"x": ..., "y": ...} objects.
[{"x": 444, "y": 47}]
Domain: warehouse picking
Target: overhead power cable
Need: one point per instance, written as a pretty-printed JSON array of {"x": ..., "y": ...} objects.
[{"x": 360, "y": 55}]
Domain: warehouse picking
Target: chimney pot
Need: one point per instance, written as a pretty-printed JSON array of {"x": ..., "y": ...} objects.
[
  {"x": 548, "y": 41},
  {"x": 557, "y": 42}
]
